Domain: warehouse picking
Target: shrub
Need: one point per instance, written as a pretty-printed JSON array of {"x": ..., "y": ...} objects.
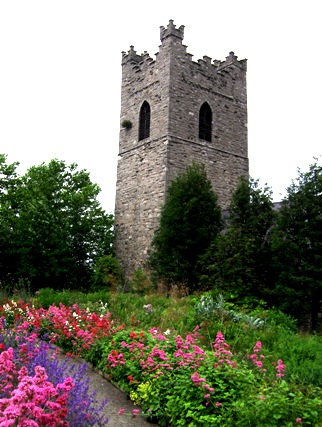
[
  {"x": 190, "y": 219},
  {"x": 108, "y": 273},
  {"x": 140, "y": 282}
]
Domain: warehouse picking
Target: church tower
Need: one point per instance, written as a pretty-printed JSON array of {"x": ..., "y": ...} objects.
[{"x": 174, "y": 111}]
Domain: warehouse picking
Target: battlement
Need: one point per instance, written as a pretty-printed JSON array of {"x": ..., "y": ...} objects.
[
  {"x": 171, "y": 30},
  {"x": 132, "y": 57},
  {"x": 139, "y": 61},
  {"x": 231, "y": 59}
]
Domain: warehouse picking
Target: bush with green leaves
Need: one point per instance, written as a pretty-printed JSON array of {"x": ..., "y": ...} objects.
[
  {"x": 176, "y": 382},
  {"x": 107, "y": 273},
  {"x": 140, "y": 282},
  {"x": 190, "y": 219}
]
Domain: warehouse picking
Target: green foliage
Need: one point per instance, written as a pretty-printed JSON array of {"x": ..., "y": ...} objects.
[
  {"x": 8, "y": 213},
  {"x": 206, "y": 308},
  {"x": 239, "y": 260},
  {"x": 148, "y": 310},
  {"x": 127, "y": 124},
  {"x": 177, "y": 383},
  {"x": 46, "y": 297},
  {"x": 251, "y": 209},
  {"x": 241, "y": 326},
  {"x": 52, "y": 226},
  {"x": 304, "y": 358},
  {"x": 279, "y": 405},
  {"x": 297, "y": 244},
  {"x": 140, "y": 282},
  {"x": 181, "y": 378},
  {"x": 190, "y": 219},
  {"x": 186, "y": 402},
  {"x": 108, "y": 272}
]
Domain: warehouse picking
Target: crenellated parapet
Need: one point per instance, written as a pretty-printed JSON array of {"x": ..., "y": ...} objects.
[
  {"x": 132, "y": 57},
  {"x": 232, "y": 59},
  {"x": 139, "y": 61},
  {"x": 172, "y": 31}
]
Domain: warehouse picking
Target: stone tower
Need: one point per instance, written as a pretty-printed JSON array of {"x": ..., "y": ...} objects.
[{"x": 174, "y": 111}]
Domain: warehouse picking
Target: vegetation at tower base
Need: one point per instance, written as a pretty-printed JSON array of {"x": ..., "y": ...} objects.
[
  {"x": 108, "y": 273},
  {"x": 297, "y": 247},
  {"x": 190, "y": 219},
  {"x": 53, "y": 228},
  {"x": 239, "y": 260}
]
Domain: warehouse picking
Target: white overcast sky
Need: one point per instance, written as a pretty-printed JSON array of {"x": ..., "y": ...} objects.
[{"x": 60, "y": 77}]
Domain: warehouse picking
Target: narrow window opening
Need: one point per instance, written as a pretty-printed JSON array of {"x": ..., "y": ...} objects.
[
  {"x": 144, "y": 124},
  {"x": 205, "y": 120}
]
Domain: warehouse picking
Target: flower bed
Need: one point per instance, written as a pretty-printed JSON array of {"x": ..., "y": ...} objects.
[
  {"x": 178, "y": 383},
  {"x": 35, "y": 389},
  {"x": 174, "y": 379}
]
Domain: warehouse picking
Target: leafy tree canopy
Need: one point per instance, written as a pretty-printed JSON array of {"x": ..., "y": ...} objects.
[
  {"x": 190, "y": 219},
  {"x": 239, "y": 260},
  {"x": 297, "y": 244},
  {"x": 53, "y": 228}
]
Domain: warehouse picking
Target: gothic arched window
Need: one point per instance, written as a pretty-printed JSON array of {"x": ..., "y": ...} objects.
[
  {"x": 144, "y": 124},
  {"x": 205, "y": 120}
]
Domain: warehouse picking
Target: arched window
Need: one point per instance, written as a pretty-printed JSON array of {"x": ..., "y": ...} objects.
[
  {"x": 144, "y": 125},
  {"x": 205, "y": 120}
]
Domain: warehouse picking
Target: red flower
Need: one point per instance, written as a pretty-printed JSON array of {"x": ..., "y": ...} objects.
[{"x": 133, "y": 335}]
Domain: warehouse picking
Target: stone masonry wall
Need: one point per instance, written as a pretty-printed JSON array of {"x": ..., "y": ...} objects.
[
  {"x": 175, "y": 87},
  {"x": 140, "y": 194}
]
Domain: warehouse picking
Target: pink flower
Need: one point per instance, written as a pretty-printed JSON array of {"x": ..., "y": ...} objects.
[
  {"x": 299, "y": 420},
  {"x": 196, "y": 379},
  {"x": 135, "y": 412},
  {"x": 207, "y": 387},
  {"x": 280, "y": 368},
  {"x": 257, "y": 347},
  {"x": 121, "y": 411},
  {"x": 218, "y": 404}
]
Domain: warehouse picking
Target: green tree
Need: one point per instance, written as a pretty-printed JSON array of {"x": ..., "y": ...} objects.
[
  {"x": 297, "y": 245},
  {"x": 239, "y": 260},
  {"x": 8, "y": 212},
  {"x": 59, "y": 228},
  {"x": 190, "y": 219}
]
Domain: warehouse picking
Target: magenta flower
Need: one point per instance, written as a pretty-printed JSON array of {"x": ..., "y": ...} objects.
[
  {"x": 280, "y": 369},
  {"x": 196, "y": 379},
  {"x": 135, "y": 412},
  {"x": 257, "y": 347}
]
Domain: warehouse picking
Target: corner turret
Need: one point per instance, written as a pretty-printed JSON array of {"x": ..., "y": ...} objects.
[{"x": 171, "y": 30}]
